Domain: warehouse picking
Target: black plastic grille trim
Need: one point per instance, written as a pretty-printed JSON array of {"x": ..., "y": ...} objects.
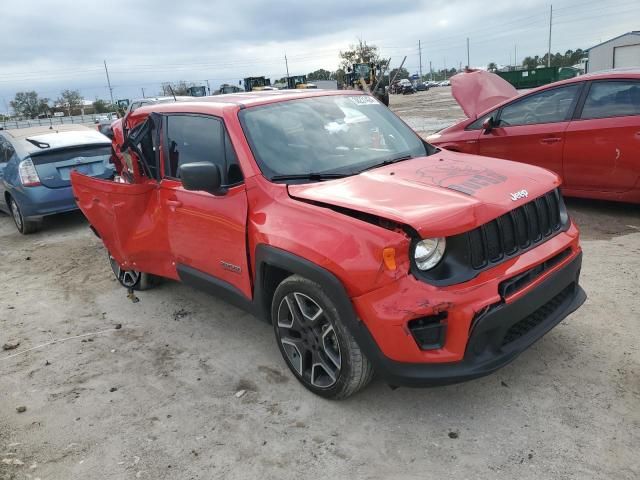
[
  {"x": 528, "y": 224},
  {"x": 531, "y": 321}
]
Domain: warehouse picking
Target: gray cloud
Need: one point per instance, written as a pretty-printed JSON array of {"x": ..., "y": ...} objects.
[{"x": 49, "y": 45}]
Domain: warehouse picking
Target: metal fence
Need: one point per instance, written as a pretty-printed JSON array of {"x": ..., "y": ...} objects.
[{"x": 51, "y": 121}]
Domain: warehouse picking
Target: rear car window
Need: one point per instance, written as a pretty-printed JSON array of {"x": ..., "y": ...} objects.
[
  {"x": 77, "y": 155},
  {"x": 549, "y": 106},
  {"x": 612, "y": 99}
]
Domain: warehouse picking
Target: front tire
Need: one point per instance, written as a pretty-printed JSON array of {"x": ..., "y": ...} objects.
[
  {"x": 316, "y": 346},
  {"x": 130, "y": 279},
  {"x": 24, "y": 226}
]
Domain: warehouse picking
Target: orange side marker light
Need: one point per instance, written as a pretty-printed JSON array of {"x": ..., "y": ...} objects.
[{"x": 389, "y": 258}]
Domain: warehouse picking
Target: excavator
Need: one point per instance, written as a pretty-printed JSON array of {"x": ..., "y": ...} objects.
[{"x": 368, "y": 77}]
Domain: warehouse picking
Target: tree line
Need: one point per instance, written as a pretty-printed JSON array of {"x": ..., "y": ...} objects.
[{"x": 29, "y": 104}]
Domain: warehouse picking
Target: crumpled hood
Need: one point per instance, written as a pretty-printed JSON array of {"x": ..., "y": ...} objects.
[
  {"x": 477, "y": 91},
  {"x": 444, "y": 194}
]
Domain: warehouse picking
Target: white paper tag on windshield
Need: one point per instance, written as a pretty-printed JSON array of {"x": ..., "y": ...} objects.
[{"x": 363, "y": 100}]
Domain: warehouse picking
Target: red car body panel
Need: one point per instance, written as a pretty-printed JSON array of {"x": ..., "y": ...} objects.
[
  {"x": 463, "y": 191},
  {"x": 477, "y": 91},
  {"x": 596, "y": 158},
  {"x": 155, "y": 226}
]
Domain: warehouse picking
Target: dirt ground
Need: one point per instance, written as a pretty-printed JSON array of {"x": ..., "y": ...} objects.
[{"x": 156, "y": 398}]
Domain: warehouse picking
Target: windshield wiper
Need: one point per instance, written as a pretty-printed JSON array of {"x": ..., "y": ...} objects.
[
  {"x": 310, "y": 176},
  {"x": 387, "y": 162}
]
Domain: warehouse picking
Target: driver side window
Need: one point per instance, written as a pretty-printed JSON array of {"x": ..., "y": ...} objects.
[
  {"x": 554, "y": 105},
  {"x": 199, "y": 138}
]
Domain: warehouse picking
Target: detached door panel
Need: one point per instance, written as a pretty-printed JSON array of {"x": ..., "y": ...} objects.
[
  {"x": 128, "y": 220},
  {"x": 531, "y": 129},
  {"x": 602, "y": 150}
]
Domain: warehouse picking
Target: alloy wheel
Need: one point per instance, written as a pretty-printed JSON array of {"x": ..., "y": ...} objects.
[{"x": 309, "y": 340}]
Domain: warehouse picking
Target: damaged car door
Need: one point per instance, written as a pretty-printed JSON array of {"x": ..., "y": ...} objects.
[
  {"x": 206, "y": 231},
  {"x": 126, "y": 213}
]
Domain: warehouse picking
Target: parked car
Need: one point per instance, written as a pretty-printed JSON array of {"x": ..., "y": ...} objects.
[
  {"x": 35, "y": 164},
  {"x": 586, "y": 129},
  {"x": 422, "y": 87},
  {"x": 366, "y": 248}
]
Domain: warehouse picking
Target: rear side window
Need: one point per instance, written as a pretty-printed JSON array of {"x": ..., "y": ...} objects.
[
  {"x": 555, "y": 105},
  {"x": 194, "y": 138},
  {"x": 612, "y": 99}
]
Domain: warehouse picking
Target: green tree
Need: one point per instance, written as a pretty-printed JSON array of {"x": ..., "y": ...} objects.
[
  {"x": 492, "y": 67},
  {"x": 361, "y": 53},
  {"x": 402, "y": 73},
  {"x": 28, "y": 104},
  {"x": 320, "y": 74},
  {"x": 71, "y": 101},
  {"x": 102, "y": 106}
]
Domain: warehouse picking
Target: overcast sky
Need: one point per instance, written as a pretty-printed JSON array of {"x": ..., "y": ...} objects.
[{"x": 50, "y": 45}]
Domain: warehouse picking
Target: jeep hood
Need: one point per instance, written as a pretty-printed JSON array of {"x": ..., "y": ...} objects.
[
  {"x": 444, "y": 194},
  {"x": 477, "y": 91}
]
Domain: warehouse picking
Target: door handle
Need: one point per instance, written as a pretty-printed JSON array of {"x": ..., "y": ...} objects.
[
  {"x": 550, "y": 140},
  {"x": 173, "y": 204}
]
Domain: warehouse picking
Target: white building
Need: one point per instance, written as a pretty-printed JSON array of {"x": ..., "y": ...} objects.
[{"x": 619, "y": 52}]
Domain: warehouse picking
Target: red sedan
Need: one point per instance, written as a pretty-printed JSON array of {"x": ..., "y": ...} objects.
[{"x": 586, "y": 129}]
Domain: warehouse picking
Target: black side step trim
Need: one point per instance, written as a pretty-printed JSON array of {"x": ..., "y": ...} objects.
[{"x": 213, "y": 285}]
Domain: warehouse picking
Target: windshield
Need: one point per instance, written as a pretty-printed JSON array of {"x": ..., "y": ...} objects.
[{"x": 336, "y": 134}]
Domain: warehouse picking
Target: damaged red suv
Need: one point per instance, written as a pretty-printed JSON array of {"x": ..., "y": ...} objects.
[{"x": 367, "y": 249}]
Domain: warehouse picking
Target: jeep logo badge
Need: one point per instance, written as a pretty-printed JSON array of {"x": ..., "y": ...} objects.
[{"x": 518, "y": 195}]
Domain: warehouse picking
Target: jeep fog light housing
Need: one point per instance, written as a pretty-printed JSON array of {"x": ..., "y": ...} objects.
[{"x": 429, "y": 252}]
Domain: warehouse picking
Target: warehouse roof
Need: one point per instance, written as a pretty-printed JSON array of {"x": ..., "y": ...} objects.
[{"x": 634, "y": 32}]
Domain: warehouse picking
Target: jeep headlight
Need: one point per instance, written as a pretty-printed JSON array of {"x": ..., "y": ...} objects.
[{"x": 429, "y": 252}]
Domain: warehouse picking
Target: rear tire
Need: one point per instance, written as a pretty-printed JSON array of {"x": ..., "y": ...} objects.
[
  {"x": 315, "y": 344},
  {"x": 131, "y": 279},
  {"x": 24, "y": 226}
]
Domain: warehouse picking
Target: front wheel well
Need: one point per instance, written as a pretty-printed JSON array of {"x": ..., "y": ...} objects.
[{"x": 272, "y": 276}]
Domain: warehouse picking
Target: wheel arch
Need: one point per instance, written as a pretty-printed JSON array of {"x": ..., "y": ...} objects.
[{"x": 273, "y": 264}]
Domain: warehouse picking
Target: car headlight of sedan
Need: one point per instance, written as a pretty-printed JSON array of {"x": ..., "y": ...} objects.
[{"x": 429, "y": 252}]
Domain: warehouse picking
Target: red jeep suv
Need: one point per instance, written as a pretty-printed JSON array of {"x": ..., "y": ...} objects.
[{"x": 366, "y": 248}]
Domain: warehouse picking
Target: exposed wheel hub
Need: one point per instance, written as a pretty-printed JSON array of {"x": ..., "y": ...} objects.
[
  {"x": 128, "y": 278},
  {"x": 309, "y": 340}
]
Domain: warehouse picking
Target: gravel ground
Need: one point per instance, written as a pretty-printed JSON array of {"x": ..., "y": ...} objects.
[{"x": 156, "y": 398}]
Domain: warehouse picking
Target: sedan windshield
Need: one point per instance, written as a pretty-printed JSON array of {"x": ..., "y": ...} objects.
[{"x": 326, "y": 137}]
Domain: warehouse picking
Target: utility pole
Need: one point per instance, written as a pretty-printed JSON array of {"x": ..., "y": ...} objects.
[
  {"x": 142, "y": 88},
  {"x": 430, "y": 71},
  {"x": 444, "y": 61},
  {"x": 208, "y": 87},
  {"x": 108, "y": 81},
  {"x": 550, "y": 22},
  {"x": 468, "y": 61},
  {"x": 515, "y": 55},
  {"x": 286, "y": 62},
  {"x": 420, "y": 53}
]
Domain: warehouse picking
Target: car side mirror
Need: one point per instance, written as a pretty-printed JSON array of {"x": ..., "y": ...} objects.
[
  {"x": 488, "y": 124},
  {"x": 202, "y": 176}
]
